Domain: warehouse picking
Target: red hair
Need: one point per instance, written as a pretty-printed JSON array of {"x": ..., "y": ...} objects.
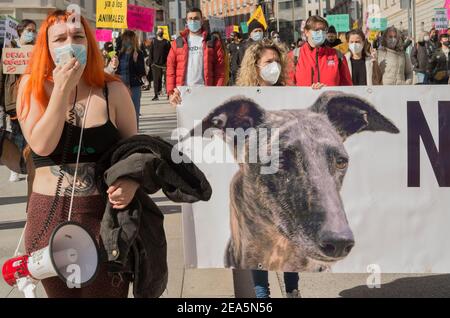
[{"x": 41, "y": 65}]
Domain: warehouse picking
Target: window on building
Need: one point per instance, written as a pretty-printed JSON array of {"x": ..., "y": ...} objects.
[
  {"x": 82, "y": 4},
  {"x": 309, "y": 13}
]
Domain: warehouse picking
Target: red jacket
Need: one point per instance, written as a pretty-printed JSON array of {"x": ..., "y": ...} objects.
[
  {"x": 325, "y": 65},
  {"x": 213, "y": 61}
]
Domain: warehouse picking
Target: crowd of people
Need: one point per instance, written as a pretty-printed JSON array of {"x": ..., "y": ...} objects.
[{"x": 321, "y": 57}]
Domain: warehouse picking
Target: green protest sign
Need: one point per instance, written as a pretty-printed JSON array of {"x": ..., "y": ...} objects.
[
  {"x": 340, "y": 21},
  {"x": 379, "y": 24}
]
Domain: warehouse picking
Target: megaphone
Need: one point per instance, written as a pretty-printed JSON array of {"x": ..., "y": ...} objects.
[{"x": 71, "y": 254}]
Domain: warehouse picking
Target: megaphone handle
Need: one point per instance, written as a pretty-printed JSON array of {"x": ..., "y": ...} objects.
[
  {"x": 83, "y": 125},
  {"x": 26, "y": 285}
]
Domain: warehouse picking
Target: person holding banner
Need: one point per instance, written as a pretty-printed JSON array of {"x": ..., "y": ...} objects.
[
  {"x": 63, "y": 89},
  {"x": 195, "y": 58},
  {"x": 318, "y": 65},
  {"x": 27, "y": 35},
  {"x": 132, "y": 68},
  {"x": 362, "y": 63},
  {"x": 265, "y": 63}
]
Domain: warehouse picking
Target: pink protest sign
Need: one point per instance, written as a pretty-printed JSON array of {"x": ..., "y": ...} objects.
[
  {"x": 103, "y": 35},
  {"x": 228, "y": 30},
  {"x": 140, "y": 18},
  {"x": 447, "y": 6}
]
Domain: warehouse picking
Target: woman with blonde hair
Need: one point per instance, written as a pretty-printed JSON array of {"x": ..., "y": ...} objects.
[
  {"x": 64, "y": 90},
  {"x": 265, "y": 64}
]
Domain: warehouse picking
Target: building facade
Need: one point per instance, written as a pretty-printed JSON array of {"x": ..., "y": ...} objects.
[
  {"x": 37, "y": 10},
  {"x": 422, "y": 17}
]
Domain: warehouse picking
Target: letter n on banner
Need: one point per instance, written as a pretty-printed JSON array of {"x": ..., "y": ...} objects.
[{"x": 418, "y": 129}]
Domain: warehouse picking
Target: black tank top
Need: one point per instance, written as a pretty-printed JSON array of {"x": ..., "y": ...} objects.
[{"x": 96, "y": 141}]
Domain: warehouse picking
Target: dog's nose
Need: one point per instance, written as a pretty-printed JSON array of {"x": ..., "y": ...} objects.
[{"x": 336, "y": 245}]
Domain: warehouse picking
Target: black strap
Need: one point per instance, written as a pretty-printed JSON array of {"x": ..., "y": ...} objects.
[{"x": 105, "y": 93}]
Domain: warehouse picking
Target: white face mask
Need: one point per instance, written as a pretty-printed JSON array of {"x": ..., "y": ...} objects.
[
  {"x": 356, "y": 48},
  {"x": 271, "y": 72}
]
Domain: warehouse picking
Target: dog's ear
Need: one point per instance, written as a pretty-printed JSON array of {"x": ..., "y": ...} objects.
[
  {"x": 239, "y": 112},
  {"x": 351, "y": 114}
]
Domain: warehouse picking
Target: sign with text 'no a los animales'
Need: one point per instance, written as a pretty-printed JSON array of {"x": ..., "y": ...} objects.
[
  {"x": 111, "y": 14},
  {"x": 342, "y": 179},
  {"x": 15, "y": 60}
]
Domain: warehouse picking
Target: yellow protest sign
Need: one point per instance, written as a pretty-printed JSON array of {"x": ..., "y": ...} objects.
[
  {"x": 165, "y": 29},
  {"x": 111, "y": 14},
  {"x": 355, "y": 25},
  {"x": 258, "y": 15},
  {"x": 235, "y": 28},
  {"x": 372, "y": 36}
]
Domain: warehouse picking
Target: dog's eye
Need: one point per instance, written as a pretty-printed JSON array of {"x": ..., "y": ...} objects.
[{"x": 341, "y": 163}]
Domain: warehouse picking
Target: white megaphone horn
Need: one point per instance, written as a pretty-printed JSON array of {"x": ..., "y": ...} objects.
[{"x": 71, "y": 254}]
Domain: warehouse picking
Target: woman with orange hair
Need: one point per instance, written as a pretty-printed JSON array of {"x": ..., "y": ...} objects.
[{"x": 64, "y": 89}]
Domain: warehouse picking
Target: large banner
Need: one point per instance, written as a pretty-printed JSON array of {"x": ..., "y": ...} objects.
[{"x": 345, "y": 179}]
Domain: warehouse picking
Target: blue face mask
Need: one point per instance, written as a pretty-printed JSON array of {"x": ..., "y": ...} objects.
[
  {"x": 28, "y": 37},
  {"x": 127, "y": 45},
  {"x": 318, "y": 37},
  {"x": 256, "y": 36},
  {"x": 194, "y": 25},
  {"x": 77, "y": 50}
]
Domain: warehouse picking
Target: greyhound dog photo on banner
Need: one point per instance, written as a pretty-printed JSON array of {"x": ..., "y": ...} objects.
[{"x": 342, "y": 179}]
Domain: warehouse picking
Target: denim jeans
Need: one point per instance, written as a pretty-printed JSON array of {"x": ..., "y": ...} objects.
[
  {"x": 136, "y": 97},
  {"x": 261, "y": 283}
]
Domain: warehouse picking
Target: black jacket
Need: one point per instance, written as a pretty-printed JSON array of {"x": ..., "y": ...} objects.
[
  {"x": 136, "y": 69},
  {"x": 439, "y": 67},
  {"x": 134, "y": 238},
  {"x": 420, "y": 56},
  {"x": 159, "y": 50},
  {"x": 235, "y": 62}
]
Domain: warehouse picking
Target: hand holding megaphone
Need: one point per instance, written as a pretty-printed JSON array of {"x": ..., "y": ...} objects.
[{"x": 72, "y": 255}]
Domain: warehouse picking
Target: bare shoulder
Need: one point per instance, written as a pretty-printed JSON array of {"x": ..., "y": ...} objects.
[{"x": 122, "y": 109}]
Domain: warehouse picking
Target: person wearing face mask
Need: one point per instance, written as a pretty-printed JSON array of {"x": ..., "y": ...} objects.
[
  {"x": 265, "y": 63},
  {"x": 363, "y": 66},
  {"x": 195, "y": 58},
  {"x": 159, "y": 51},
  {"x": 434, "y": 39},
  {"x": 132, "y": 68},
  {"x": 27, "y": 35},
  {"x": 420, "y": 57},
  {"x": 275, "y": 36},
  {"x": 395, "y": 64},
  {"x": 235, "y": 62},
  {"x": 317, "y": 64},
  {"x": 332, "y": 38},
  {"x": 63, "y": 87},
  {"x": 255, "y": 34},
  {"x": 439, "y": 67}
]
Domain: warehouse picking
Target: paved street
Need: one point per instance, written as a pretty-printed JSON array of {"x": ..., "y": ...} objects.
[{"x": 158, "y": 118}]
